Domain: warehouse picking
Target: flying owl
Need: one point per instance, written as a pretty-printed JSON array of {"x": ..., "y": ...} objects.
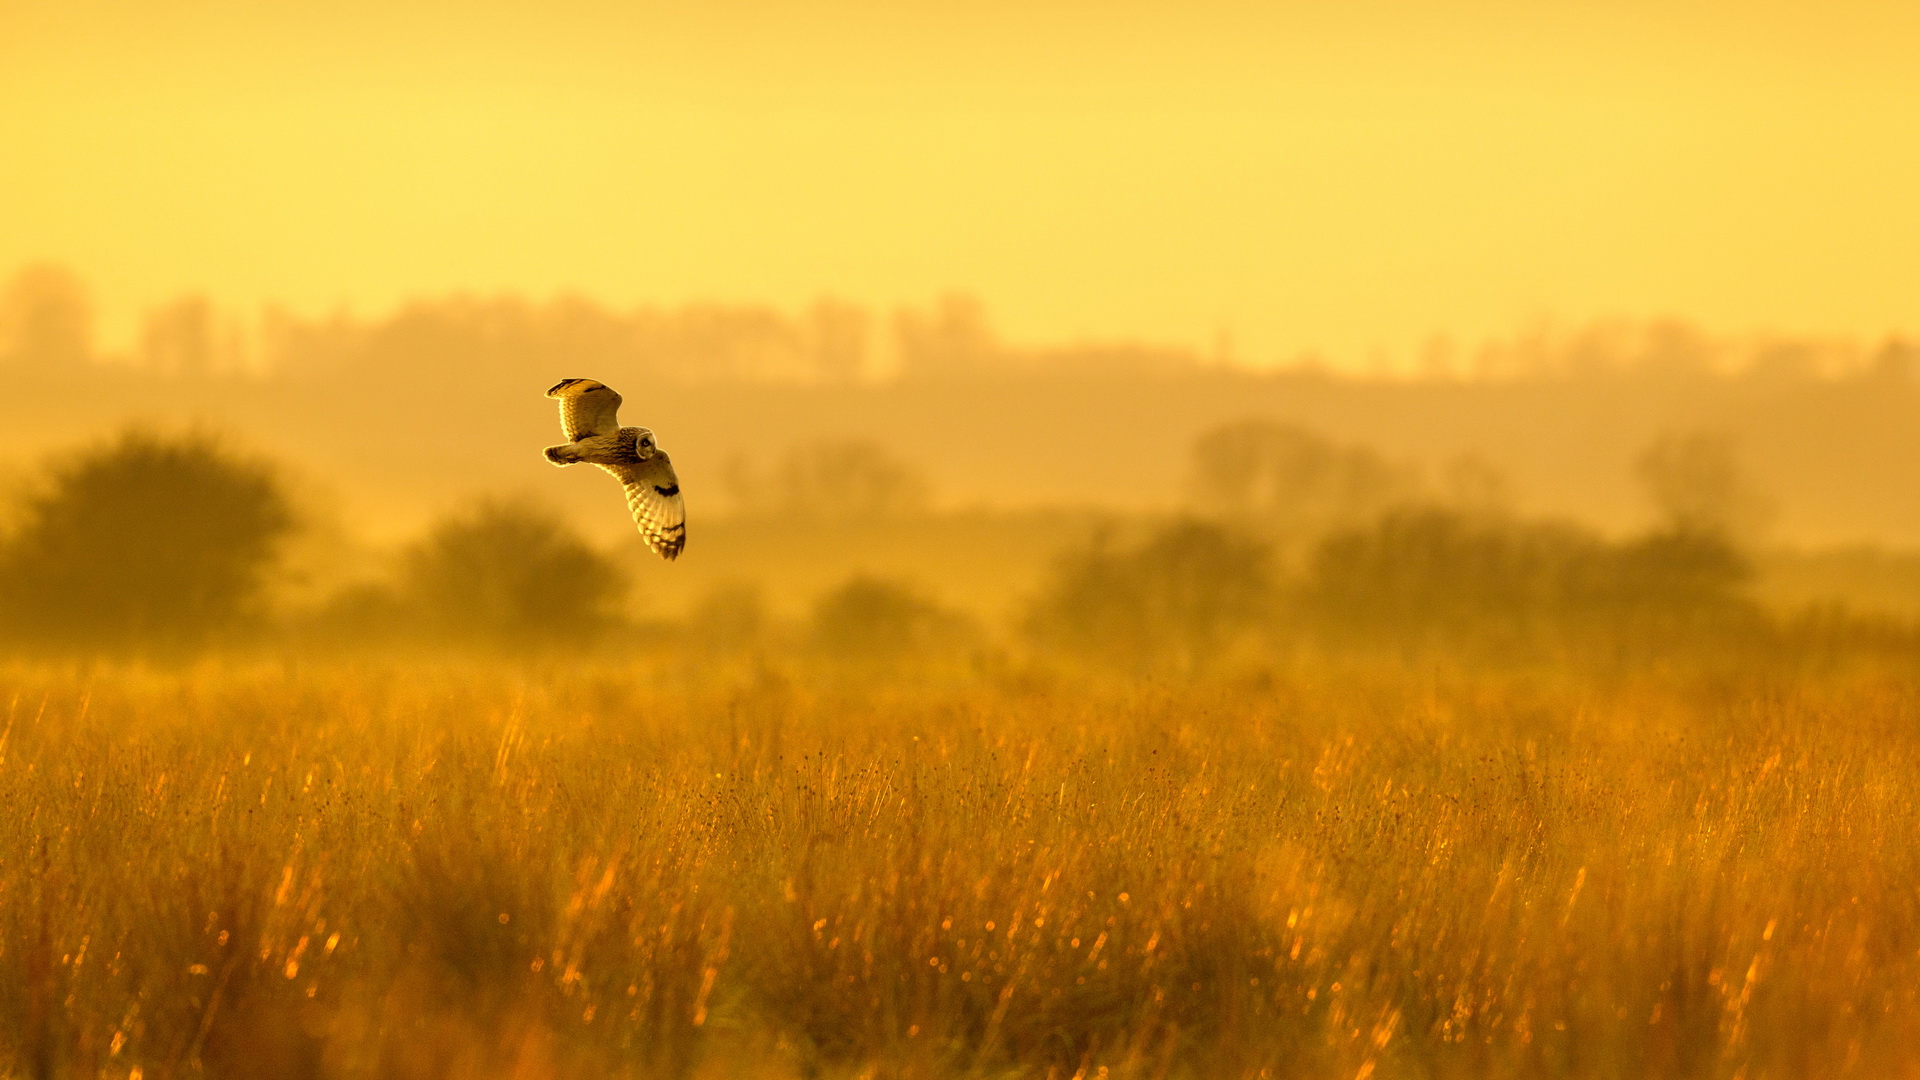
[{"x": 594, "y": 435}]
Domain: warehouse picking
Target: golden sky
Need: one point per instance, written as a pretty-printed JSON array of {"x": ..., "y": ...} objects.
[{"x": 1300, "y": 175}]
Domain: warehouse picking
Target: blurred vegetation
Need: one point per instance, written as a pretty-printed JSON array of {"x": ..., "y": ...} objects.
[
  {"x": 1176, "y": 600},
  {"x": 1698, "y": 486},
  {"x": 512, "y": 573},
  {"x": 1439, "y": 577},
  {"x": 631, "y": 869},
  {"x": 829, "y": 480},
  {"x": 1545, "y": 418},
  {"x": 1297, "y": 477},
  {"x": 46, "y": 321},
  {"x": 166, "y": 545},
  {"x": 148, "y": 542},
  {"x": 874, "y": 620}
]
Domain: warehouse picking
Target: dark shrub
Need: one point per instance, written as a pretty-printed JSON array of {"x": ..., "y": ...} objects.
[
  {"x": 1420, "y": 572},
  {"x": 1177, "y": 599},
  {"x": 509, "y": 573},
  {"x": 148, "y": 542},
  {"x": 872, "y": 619},
  {"x": 1434, "y": 574},
  {"x": 1295, "y": 478}
]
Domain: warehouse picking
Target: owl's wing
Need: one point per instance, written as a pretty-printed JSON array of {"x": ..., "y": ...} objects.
[
  {"x": 586, "y": 408},
  {"x": 653, "y": 497}
]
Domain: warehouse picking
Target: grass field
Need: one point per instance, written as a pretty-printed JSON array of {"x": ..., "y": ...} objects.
[{"x": 1356, "y": 870}]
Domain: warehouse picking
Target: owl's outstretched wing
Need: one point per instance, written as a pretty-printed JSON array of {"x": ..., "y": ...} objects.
[
  {"x": 653, "y": 497},
  {"x": 586, "y": 408}
]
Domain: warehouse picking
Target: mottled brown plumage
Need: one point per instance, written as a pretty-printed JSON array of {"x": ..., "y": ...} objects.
[{"x": 588, "y": 418}]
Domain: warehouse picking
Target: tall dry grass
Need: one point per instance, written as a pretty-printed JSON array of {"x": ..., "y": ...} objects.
[{"x": 439, "y": 871}]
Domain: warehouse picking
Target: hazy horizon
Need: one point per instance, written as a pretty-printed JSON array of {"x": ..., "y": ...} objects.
[{"x": 1280, "y": 178}]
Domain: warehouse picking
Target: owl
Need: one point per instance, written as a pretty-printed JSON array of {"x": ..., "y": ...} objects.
[{"x": 594, "y": 436}]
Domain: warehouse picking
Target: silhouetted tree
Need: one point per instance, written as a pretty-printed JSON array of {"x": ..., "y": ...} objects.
[
  {"x": 1176, "y": 599},
  {"x": 1895, "y": 363},
  {"x": 1295, "y": 476},
  {"x": 1698, "y": 487},
  {"x": 837, "y": 335},
  {"x": 1474, "y": 485},
  {"x": 508, "y": 573},
  {"x": 954, "y": 338},
  {"x": 1425, "y": 571},
  {"x": 1429, "y": 574},
  {"x": 1673, "y": 348},
  {"x": 834, "y": 480},
  {"x": 873, "y": 619},
  {"x": 148, "y": 541},
  {"x": 183, "y": 338},
  {"x": 1680, "y": 572},
  {"x": 46, "y": 319}
]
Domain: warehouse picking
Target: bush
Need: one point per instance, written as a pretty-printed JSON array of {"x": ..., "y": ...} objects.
[
  {"x": 1296, "y": 478},
  {"x": 853, "y": 480},
  {"x": 873, "y": 619},
  {"x": 1698, "y": 485},
  {"x": 1419, "y": 572},
  {"x": 1680, "y": 570},
  {"x": 512, "y": 574},
  {"x": 1430, "y": 574},
  {"x": 1178, "y": 598},
  {"x": 147, "y": 542}
]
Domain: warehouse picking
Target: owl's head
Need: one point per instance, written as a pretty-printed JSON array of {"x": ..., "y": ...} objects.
[{"x": 644, "y": 444}]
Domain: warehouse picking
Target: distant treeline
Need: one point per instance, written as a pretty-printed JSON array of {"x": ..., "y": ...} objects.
[
  {"x": 844, "y": 409},
  {"x": 166, "y": 545},
  {"x": 47, "y": 324}
]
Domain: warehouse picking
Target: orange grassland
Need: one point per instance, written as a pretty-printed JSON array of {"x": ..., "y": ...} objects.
[{"x": 1343, "y": 870}]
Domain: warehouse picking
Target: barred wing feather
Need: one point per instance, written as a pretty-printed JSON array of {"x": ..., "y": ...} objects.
[
  {"x": 587, "y": 408},
  {"x": 653, "y": 497}
]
